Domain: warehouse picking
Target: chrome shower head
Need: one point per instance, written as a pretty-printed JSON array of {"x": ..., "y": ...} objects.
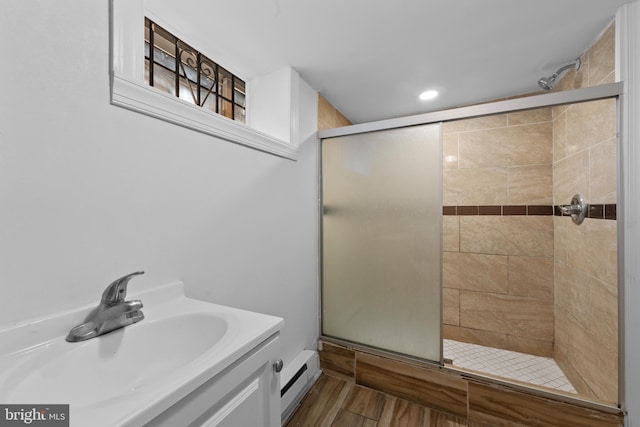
[{"x": 548, "y": 83}]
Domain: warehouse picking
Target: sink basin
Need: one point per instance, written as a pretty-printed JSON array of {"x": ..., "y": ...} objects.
[
  {"x": 115, "y": 365},
  {"x": 131, "y": 375}
]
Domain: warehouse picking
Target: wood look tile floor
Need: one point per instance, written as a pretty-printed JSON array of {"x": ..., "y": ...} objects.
[{"x": 334, "y": 402}]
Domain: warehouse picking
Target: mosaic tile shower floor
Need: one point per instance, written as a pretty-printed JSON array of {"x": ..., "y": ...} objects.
[{"x": 542, "y": 371}]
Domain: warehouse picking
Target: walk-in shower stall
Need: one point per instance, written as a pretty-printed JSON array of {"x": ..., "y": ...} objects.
[{"x": 453, "y": 230}]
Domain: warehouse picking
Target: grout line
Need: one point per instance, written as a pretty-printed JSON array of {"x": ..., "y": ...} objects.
[
  {"x": 387, "y": 411},
  {"x": 333, "y": 412}
]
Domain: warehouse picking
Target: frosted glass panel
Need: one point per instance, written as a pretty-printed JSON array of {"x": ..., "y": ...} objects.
[{"x": 382, "y": 240}]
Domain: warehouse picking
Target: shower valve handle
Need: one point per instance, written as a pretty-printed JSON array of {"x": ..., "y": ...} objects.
[
  {"x": 577, "y": 209},
  {"x": 571, "y": 209}
]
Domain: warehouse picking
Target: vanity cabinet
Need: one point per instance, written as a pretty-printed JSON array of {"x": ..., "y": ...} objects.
[{"x": 245, "y": 394}]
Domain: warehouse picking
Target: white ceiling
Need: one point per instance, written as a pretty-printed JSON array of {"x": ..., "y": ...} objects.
[{"x": 372, "y": 58}]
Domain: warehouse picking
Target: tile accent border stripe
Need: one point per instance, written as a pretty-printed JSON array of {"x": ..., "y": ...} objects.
[{"x": 596, "y": 211}]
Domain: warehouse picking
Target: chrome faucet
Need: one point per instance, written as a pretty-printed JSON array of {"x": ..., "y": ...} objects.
[{"x": 112, "y": 313}]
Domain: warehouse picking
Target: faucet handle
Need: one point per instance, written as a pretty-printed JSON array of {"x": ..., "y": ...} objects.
[{"x": 117, "y": 291}]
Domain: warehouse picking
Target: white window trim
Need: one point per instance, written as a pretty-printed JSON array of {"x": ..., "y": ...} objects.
[{"x": 129, "y": 90}]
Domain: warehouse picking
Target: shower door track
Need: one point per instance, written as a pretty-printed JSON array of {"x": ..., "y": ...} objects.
[{"x": 594, "y": 93}]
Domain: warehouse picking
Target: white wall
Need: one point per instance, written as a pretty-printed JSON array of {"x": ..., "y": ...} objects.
[
  {"x": 90, "y": 191},
  {"x": 264, "y": 95}
]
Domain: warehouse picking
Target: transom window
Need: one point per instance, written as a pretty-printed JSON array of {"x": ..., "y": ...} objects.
[{"x": 174, "y": 67}]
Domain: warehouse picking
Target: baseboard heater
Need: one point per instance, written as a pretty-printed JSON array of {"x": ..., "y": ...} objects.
[
  {"x": 293, "y": 380},
  {"x": 296, "y": 379}
]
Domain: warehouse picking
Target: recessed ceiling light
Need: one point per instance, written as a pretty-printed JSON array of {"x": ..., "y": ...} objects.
[{"x": 428, "y": 94}]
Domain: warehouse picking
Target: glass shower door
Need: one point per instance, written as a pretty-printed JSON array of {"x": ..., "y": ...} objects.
[{"x": 381, "y": 240}]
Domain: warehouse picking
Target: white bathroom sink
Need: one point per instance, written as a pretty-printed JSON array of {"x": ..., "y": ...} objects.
[
  {"x": 115, "y": 365},
  {"x": 127, "y": 376}
]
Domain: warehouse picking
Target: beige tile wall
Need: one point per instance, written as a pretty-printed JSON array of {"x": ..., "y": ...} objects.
[
  {"x": 328, "y": 116},
  {"x": 585, "y": 261},
  {"x": 502, "y": 274},
  {"x": 498, "y": 270}
]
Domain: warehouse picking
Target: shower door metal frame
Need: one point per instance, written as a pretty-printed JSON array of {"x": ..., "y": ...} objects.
[
  {"x": 594, "y": 93},
  {"x": 611, "y": 90}
]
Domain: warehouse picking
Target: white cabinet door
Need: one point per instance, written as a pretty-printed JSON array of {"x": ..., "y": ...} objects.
[
  {"x": 246, "y": 408},
  {"x": 246, "y": 394}
]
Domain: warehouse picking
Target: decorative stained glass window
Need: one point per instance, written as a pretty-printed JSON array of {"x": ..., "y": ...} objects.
[{"x": 174, "y": 67}]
